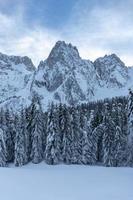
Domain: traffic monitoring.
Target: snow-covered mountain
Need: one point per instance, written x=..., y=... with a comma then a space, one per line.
x=16, y=75
x=112, y=71
x=63, y=77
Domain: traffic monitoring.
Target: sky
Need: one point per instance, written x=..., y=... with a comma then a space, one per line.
x=96, y=27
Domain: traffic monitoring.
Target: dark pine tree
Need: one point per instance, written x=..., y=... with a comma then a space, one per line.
x=37, y=128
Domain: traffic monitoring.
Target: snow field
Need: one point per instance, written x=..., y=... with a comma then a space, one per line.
x=66, y=182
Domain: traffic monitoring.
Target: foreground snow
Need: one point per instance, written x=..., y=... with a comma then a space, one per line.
x=62, y=182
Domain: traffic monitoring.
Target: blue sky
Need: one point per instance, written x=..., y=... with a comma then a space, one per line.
x=96, y=27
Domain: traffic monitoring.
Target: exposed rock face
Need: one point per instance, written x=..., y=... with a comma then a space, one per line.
x=63, y=77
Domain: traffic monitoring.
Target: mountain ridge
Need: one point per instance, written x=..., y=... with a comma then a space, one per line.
x=63, y=77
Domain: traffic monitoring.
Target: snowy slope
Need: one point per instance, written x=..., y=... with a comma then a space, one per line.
x=43, y=182
x=63, y=77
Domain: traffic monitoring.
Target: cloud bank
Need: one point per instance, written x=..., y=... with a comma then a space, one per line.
x=95, y=29
x=16, y=38
x=103, y=30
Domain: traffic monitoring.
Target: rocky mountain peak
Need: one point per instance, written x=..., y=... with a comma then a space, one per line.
x=8, y=61
x=23, y=60
x=109, y=61
x=62, y=52
x=111, y=70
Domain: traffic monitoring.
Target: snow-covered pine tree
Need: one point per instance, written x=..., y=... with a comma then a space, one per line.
x=29, y=111
x=1, y=116
x=8, y=126
x=61, y=123
x=130, y=116
x=65, y=132
x=92, y=120
x=37, y=153
x=75, y=137
x=58, y=130
x=122, y=118
x=114, y=113
x=67, y=139
x=95, y=118
x=45, y=121
x=82, y=116
x=19, y=158
x=26, y=135
x=108, y=138
x=119, y=147
x=97, y=138
x=88, y=153
x=52, y=151
x=122, y=141
x=130, y=127
x=3, y=150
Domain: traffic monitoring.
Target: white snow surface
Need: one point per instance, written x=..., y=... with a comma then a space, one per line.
x=66, y=182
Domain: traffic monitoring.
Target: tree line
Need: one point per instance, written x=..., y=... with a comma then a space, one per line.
x=95, y=133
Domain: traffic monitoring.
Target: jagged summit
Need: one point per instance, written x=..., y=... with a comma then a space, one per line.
x=110, y=60
x=16, y=60
x=62, y=52
x=112, y=71
x=61, y=46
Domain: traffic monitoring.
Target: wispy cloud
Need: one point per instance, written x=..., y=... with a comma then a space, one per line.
x=102, y=30
x=96, y=29
x=17, y=38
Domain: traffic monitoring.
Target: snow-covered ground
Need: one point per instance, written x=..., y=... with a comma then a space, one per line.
x=65, y=182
